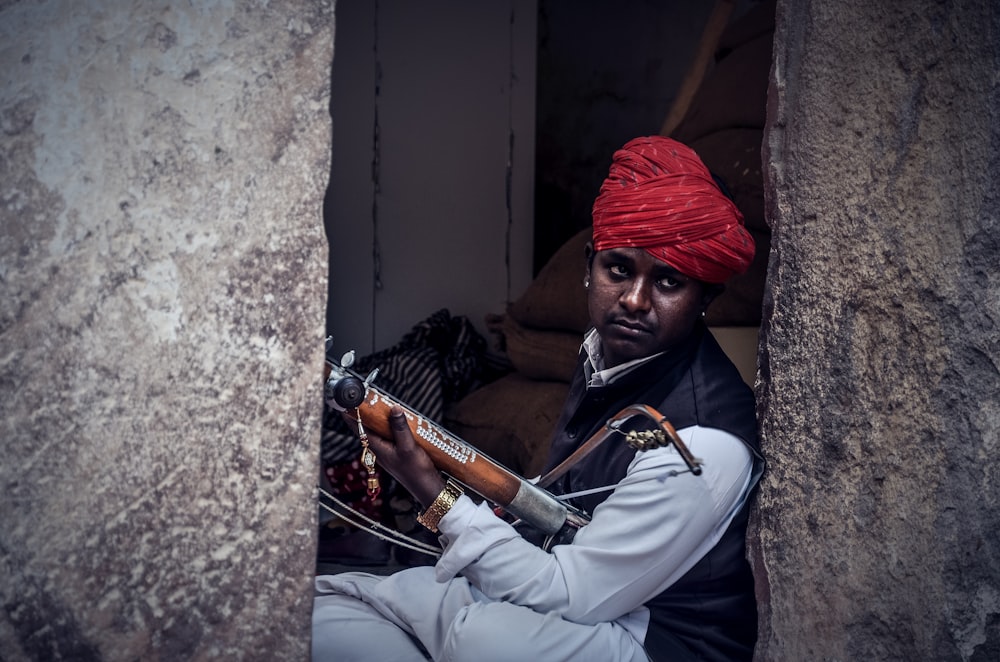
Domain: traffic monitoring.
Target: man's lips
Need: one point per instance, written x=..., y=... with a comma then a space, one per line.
x=629, y=327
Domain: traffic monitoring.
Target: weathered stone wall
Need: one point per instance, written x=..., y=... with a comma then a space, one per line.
x=877, y=536
x=162, y=289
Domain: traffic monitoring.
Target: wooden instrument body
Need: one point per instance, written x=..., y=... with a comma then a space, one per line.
x=360, y=400
x=449, y=453
x=455, y=457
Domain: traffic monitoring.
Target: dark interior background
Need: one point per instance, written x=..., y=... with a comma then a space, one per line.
x=605, y=75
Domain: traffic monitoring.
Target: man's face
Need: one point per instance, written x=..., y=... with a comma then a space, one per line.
x=640, y=305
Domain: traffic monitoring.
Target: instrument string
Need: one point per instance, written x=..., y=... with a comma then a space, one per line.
x=377, y=529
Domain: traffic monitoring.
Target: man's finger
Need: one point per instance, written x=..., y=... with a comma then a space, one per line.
x=401, y=433
x=397, y=419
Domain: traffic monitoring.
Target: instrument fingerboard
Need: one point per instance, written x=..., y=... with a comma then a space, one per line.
x=457, y=452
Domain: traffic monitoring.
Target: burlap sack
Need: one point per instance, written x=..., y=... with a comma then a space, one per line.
x=510, y=420
x=556, y=299
x=545, y=355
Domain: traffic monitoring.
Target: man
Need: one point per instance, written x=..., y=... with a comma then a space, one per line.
x=659, y=572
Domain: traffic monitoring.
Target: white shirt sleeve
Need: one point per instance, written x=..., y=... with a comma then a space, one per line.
x=650, y=531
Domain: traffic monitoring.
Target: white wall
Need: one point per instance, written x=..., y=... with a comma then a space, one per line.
x=457, y=79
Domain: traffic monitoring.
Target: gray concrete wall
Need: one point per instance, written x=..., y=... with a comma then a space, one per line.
x=879, y=386
x=163, y=272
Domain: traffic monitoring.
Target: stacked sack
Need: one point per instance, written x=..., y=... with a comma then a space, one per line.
x=512, y=418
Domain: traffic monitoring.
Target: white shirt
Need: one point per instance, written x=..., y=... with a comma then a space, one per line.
x=658, y=522
x=650, y=530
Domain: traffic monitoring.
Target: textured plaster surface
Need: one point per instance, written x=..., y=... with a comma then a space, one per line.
x=162, y=286
x=880, y=373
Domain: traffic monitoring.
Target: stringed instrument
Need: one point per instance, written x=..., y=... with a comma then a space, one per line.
x=362, y=401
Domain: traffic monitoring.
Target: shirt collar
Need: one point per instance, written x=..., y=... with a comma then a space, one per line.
x=595, y=372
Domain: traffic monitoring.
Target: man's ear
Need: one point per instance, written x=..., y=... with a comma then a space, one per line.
x=710, y=293
x=588, y=253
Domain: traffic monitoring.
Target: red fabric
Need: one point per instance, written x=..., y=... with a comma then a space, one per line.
x=660, y=197
x=349, y=483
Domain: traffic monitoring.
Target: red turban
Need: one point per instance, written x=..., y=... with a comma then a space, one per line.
x=659, y=196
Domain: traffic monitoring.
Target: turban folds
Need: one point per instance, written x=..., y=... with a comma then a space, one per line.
x=660, y=197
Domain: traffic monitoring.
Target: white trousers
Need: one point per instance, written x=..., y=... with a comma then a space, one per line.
x=362, y=617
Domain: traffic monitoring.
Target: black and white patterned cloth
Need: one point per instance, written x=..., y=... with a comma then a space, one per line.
x=438, y=362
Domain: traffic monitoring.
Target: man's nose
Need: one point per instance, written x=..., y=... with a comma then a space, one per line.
x=636, y=297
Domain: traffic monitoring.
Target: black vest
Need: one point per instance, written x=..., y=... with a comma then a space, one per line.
x=710, y=613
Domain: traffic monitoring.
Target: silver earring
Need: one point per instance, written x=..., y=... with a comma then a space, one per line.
x=586, y=281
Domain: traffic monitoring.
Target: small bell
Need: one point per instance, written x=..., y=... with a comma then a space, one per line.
x=368, y=459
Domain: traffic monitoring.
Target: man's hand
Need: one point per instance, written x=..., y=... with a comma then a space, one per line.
x=404, y=459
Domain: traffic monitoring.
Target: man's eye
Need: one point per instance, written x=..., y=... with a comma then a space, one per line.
x=668, y=282
x=618, y=270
